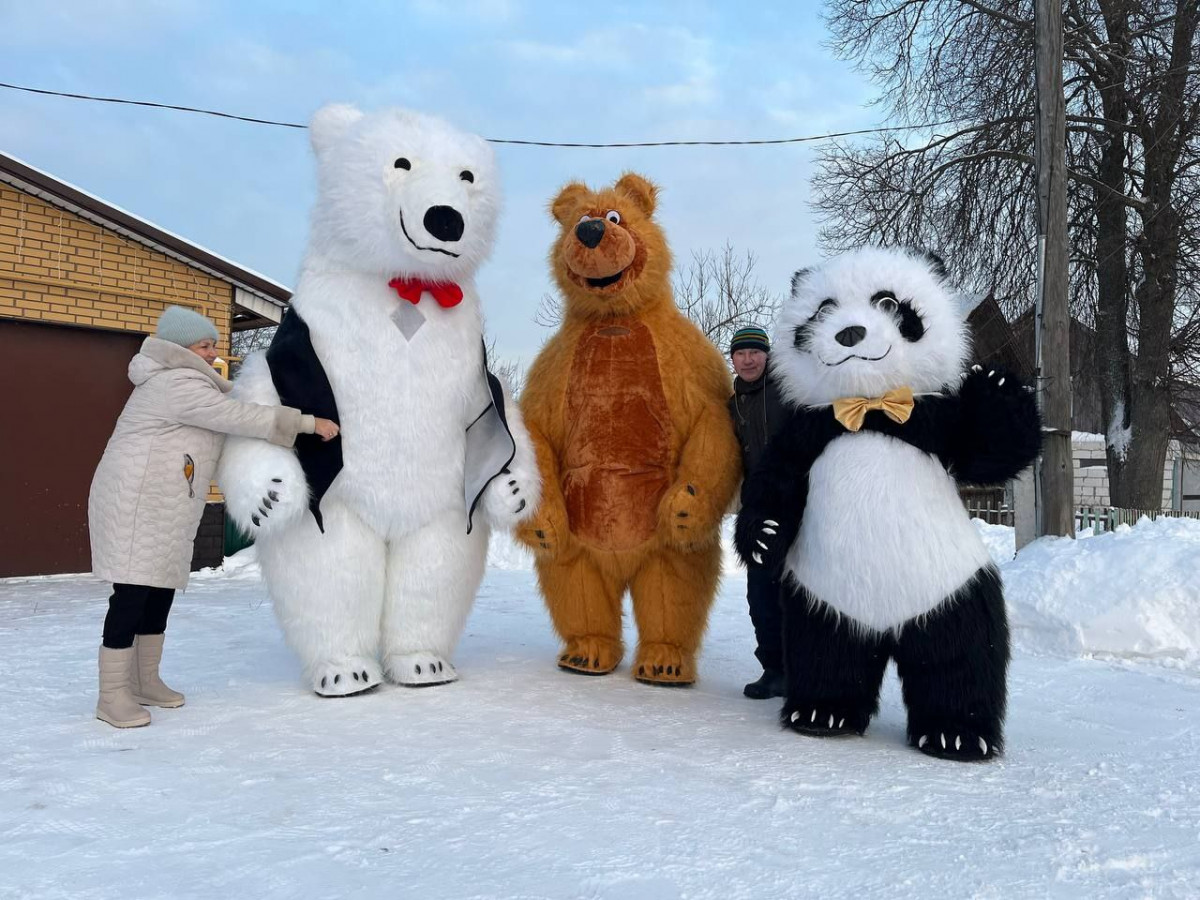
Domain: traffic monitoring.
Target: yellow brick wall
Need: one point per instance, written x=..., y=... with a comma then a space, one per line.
x=58, y=267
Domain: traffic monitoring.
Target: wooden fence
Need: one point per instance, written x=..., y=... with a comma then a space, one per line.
x=1106, y=518
x=988, y=504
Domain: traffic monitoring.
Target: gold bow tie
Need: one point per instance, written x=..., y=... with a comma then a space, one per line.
x=896, y=404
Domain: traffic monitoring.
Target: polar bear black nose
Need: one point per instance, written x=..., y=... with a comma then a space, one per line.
x=590, y=232
x=444, y=222
x=848, y=337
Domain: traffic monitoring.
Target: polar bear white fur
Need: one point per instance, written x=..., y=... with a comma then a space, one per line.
x=386, y=589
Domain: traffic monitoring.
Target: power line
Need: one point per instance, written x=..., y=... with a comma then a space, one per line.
x=524, y=143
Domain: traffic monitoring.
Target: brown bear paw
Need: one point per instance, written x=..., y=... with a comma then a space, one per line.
x=590, y=655
x=664, y=664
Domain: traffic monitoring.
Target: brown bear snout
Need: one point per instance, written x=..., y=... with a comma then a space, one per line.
x=590, y=232
x=599, y=250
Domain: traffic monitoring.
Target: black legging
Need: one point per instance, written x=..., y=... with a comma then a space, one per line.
x=135, y=609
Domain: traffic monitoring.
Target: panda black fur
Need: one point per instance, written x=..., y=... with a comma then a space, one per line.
x=880, y=559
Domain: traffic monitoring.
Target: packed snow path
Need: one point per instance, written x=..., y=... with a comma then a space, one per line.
x=521, y=781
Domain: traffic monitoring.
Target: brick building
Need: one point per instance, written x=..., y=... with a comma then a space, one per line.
x=82, y=282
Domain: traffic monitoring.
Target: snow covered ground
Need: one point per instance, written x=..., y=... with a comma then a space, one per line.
x=521, y=781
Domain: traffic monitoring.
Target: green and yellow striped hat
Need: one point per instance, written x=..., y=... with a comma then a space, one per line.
x=750, y=338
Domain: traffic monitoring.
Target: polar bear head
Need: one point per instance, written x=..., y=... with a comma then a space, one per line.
x=866, y=322
x=402, y=194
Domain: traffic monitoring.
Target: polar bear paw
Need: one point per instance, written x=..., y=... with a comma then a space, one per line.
x=421, y=669
x=264, y=486
x=512, y=497
x=346, y=677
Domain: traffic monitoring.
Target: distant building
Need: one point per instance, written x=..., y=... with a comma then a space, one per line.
x=1012, y=345
x=82, y=282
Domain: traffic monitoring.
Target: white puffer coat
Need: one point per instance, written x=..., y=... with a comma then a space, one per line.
x=149, y=490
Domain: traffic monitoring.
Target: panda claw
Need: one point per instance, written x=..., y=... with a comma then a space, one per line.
x=795, y=715
x=958, y=742
x=814, y=717
x=771, y=522
x=943, y=741
x=983, y=746
x=841, y=722
x=757, y=558
x=761, y=544
x=831, y=720
x=769, y=531
x=921, y=743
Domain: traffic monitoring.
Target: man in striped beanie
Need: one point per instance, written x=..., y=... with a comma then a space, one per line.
x=757, y=412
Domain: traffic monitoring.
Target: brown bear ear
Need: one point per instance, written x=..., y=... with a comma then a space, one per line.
x=640, y=191
x=566, y=201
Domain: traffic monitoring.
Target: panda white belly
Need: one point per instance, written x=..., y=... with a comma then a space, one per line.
x=884, y=537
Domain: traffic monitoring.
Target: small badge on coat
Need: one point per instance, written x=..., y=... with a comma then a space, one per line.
x=189, y=472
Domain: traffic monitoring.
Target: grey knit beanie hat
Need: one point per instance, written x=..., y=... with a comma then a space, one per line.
x=184, y=327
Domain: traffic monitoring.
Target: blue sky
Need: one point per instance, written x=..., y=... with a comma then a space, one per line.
x=503, y=68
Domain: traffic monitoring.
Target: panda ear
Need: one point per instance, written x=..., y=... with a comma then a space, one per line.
x=799, y=279
x=329, y=123
x=937, y=264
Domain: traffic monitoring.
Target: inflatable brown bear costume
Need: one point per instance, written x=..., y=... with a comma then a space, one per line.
x=626, y=407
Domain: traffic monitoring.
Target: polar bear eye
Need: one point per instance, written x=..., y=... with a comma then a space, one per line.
x=466, y=176
x=402, y=163
x=613, y=216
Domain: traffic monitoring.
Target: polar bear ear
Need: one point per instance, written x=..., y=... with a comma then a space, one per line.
x=563, y=205
x=329, y=123
x=640, y=191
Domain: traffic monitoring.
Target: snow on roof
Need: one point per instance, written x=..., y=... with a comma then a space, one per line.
x=65, y=195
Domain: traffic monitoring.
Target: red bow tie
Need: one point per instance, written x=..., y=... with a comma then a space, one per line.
x=447, y=294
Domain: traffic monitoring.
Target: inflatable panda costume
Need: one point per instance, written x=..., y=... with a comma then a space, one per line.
x=855, y=502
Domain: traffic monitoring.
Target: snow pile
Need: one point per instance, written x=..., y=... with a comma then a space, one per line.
x=1132, y=592
x=1000, y=540
x=506, y=554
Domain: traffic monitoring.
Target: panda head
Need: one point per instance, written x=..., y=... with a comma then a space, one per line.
x=866, y=322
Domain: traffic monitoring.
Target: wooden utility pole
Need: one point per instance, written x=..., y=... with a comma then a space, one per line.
x=1056, y=475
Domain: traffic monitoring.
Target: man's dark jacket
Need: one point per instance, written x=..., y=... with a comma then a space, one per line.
x=757, y=412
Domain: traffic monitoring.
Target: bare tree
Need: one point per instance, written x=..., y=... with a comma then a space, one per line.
x=720, y=293
x=510, y=371
x=966, y=188
x=243, y=343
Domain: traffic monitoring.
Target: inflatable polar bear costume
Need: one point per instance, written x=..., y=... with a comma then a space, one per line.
x=370, y=555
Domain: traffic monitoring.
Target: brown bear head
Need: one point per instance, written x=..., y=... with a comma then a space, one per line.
x=611, y=257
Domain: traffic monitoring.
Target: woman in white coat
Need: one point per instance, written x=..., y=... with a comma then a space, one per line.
x=148, y=496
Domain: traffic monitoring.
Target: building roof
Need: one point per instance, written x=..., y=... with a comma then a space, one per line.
x=267, y=298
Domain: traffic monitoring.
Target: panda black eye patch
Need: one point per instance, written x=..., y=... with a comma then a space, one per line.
x=827, y=303
x=912, y=326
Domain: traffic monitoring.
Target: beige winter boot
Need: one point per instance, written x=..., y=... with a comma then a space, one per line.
x=148, y=688
x=116, y=705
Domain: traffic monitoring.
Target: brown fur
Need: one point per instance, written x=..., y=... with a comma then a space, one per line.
x=626, y=407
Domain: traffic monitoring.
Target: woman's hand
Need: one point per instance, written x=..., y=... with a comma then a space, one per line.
x=326, y=428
